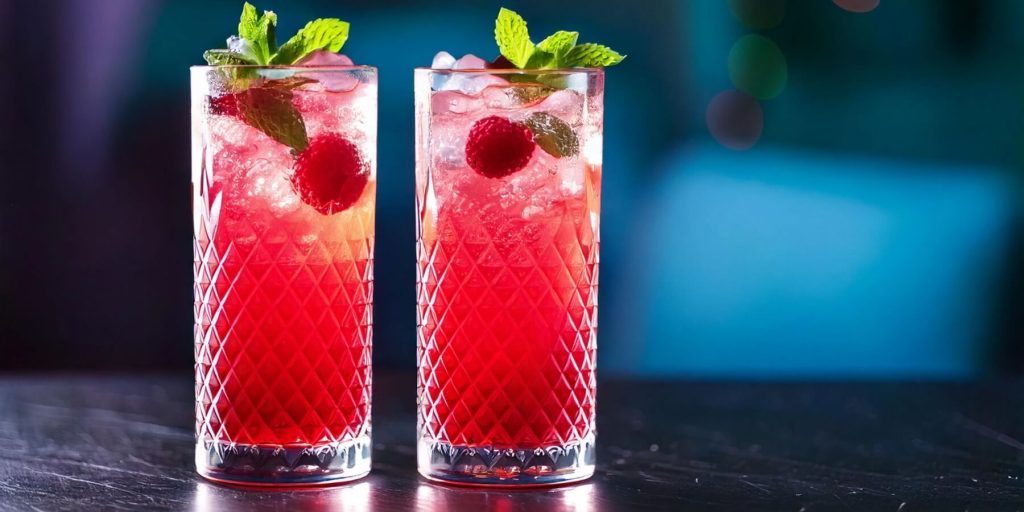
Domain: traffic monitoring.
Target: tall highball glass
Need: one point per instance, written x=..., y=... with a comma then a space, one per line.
x=283, y=189
x=508, y=192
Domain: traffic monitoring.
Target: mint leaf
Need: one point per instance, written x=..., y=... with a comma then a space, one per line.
x=224, y=58
x=559, y=50
x=271, y=111
x=269, y=26
x=256, y=42
x=559, y=42
x=553, y=135
x=234, y=78
x=540, y=60
x=248, y=23
x=259, y=30
x=590, y=55
x=513, y=38
x=526, y=89
x=320, y=34
x=261, y=102
x=325, y=34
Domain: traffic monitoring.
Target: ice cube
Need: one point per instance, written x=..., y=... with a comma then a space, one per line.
x=472, y=83
x=468, y=83
x=454, y=102
x=241, y=46
x=450, y=154
x=282, y=197
x=531, y=211
x=443, y=60
x=266, y=183
x=573, y=179
x=470, y=61
x=335, y=80
x=324, y=58
x=534, y=185
x=516, y=95
x=564, y=104
x=501, y=97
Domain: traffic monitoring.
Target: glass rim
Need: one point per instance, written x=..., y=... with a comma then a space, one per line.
x=511, y=71
x=284, y=67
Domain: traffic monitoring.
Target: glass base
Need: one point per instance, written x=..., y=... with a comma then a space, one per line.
x=283, y=466
x=540, y=466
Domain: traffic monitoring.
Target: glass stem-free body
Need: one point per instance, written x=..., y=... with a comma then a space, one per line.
x=283, y=282
x=508, y=274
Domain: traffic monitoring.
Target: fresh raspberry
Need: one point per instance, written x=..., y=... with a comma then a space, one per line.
x=497, y=147
x=330, y=174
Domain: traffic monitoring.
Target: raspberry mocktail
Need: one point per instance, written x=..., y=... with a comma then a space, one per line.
x=283, y=189
x=508, y=194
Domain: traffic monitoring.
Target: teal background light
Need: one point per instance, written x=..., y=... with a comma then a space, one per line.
x=757, y=67
x=853, y=210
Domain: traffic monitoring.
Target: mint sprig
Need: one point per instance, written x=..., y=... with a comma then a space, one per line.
x=271, y=111
x=559, y=42
x=256, y=41
x=267, y=104
x=223, y=58
x=513, y=38
x=553, y=135
x=259, y=31
x=559, y=50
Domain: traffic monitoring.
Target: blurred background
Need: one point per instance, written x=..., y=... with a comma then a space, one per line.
x=801, y=188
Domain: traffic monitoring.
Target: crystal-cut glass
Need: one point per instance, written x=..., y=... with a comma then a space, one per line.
x=507, y=282
x=283, y=290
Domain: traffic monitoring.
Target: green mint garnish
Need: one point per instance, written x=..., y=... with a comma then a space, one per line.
x=558, y=44
x=513, y=38
x=530, y=92
x=591, y=55
x=320, y=34
x=223, y=58
x=258, y=30
x=553, y=135
x=267, y=104
x=559, y=50
x=256, y=42
x=271, y=111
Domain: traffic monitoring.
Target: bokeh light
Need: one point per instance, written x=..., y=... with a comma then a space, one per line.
x=735, y=119
x=758, y=14
x=857, y=5
x=757, y=66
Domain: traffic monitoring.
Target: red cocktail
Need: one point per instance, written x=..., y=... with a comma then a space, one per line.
x=508, y=193
x=283, y=202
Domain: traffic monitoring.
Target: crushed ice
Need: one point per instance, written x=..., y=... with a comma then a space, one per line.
x=466, y=83
x=334, y=81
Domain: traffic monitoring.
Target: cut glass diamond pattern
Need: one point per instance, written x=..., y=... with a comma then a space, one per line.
x=508, y=324
x=282, y=332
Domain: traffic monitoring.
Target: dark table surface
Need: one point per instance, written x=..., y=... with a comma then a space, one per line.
x=125, y=443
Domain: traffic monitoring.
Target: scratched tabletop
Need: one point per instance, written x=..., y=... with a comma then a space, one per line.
x=125, y=443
